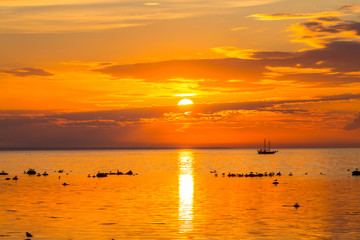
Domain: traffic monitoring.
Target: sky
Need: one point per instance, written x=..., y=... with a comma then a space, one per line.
x=110, y=73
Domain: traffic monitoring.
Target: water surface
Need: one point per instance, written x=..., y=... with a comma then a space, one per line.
x=174, y=195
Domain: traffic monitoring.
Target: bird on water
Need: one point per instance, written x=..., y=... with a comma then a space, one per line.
x=28, y=234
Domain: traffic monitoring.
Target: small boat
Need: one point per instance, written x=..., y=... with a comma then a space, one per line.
x=31, y=171
x=3, y=173
x=266, y=150
x=356, y=173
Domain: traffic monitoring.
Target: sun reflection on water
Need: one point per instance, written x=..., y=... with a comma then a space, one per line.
x=186, y=191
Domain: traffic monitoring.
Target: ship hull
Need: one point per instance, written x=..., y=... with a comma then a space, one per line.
x=269, y=152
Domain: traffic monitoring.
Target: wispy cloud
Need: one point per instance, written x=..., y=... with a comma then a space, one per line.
x=322, y=28
x=317, y=33
x=238, y=28
x=350, y=8
x=234, y=52
x=298, y=70
x=334, y=63
x=24, y=72
x=355, y=124
x=283, y=16
x=128, y=127
x=89, y=15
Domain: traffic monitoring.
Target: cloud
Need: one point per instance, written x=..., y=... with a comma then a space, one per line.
x=322, y=28
x=283, y=16
x=353, y=125
x=349, y=7
x=135, y=127
x=268, y=105
x=345, y=26
x=273, y=55
x=317, y=33
x=24, y=72
x=328, y=19
x=137, y=115
x=98, y=123
x=151, y=4
x=222, y=69
x=298, y=70
x=238, y=28
x=92, y=15
x=341, y=56
x=339, y=97
x=335, y=63
x=234, y=52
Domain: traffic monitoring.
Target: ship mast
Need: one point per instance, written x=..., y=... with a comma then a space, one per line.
x=269, y=145
x=264, y=144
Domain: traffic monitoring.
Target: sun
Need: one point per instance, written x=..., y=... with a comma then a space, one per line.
x=185, y=102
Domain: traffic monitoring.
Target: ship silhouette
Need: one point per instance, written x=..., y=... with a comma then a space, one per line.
x=266, y=150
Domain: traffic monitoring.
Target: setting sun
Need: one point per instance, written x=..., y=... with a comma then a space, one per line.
x=185, y=102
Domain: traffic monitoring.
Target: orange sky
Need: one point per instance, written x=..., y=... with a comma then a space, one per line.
x=91, y=73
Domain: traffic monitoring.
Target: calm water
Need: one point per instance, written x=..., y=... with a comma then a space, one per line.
x=174, y=195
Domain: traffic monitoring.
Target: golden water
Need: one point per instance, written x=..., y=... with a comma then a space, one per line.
x=174, y=195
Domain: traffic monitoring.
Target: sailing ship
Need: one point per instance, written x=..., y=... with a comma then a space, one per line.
x=266, y=150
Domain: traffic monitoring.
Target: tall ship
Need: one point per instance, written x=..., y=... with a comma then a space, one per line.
x=266, y=150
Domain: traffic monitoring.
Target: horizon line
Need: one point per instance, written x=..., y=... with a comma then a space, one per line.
x=146, y=148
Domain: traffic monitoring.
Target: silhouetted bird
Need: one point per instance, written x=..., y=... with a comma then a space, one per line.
x=15, y=178
x=275, y=182
x=290, y=174
x=65, y=184
x=296, y=205
x=28, y=234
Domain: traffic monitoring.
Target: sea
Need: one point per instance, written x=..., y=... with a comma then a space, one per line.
x=175, y=194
